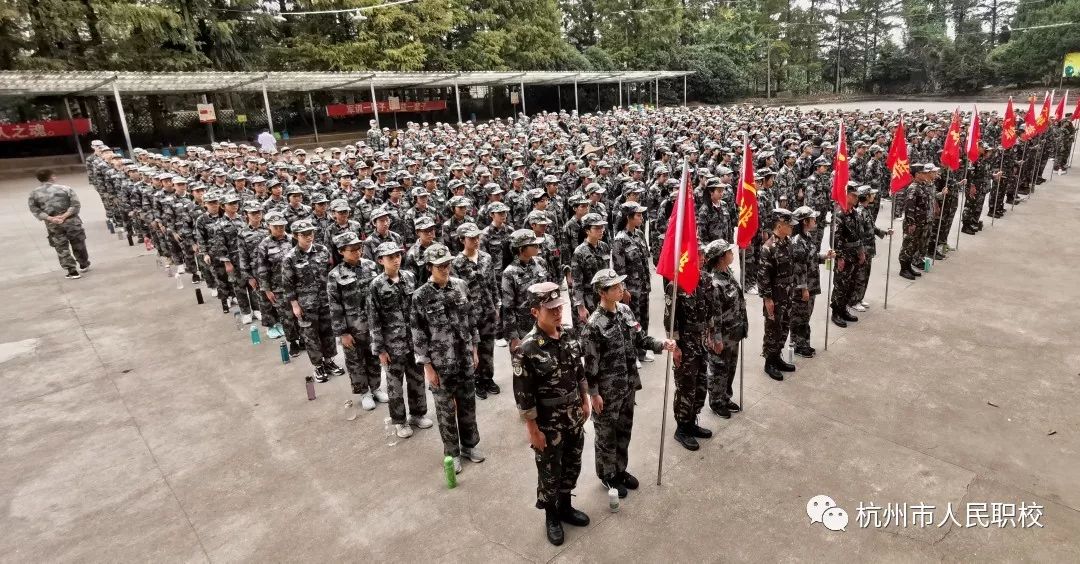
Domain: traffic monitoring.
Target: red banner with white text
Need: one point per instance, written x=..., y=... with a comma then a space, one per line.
x=39, y=129
x=345, y=110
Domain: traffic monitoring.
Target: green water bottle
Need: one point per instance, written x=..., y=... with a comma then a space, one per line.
x=448, y=468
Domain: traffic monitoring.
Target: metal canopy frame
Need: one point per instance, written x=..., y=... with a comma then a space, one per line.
x=32, y=83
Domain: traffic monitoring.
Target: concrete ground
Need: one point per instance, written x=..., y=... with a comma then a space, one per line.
x=139, y=426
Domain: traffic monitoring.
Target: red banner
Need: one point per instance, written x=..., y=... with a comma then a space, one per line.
x=39, y=129
x=344, y=110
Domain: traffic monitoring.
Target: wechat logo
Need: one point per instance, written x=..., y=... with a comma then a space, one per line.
x=822, y=509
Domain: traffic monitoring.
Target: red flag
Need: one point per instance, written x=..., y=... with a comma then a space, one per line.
x=1059, y=112
x=840, y=171
x=1042, y=122
x=1076, y=111
x=950, y=155
x=1008, y=127
x=897, y=161
x=974, y=132
x=679, y=256
x=747, y=199
x=1029, y=120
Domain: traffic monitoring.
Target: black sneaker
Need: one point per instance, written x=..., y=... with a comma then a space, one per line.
x=84, y=268
x=493, y=388
x=294, y=349
x=73, y=274
x=805, y=352
x=321, y=374
x=615, y=483
x=686, y=439
x=481, y=390
x=733, y=407
x=332, y=368
x=721, y=410
x=629, y=480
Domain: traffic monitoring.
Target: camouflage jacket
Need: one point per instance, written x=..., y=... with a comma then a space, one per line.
x=496, y=242
x=610, y=342
x=249, y=240
x=225, y=245
x=630, y=256
x=729, y=307
x=388, y=304
x=516, y=279
x=480, y=278
x=919, y=206
x=374, y=240
x=347, y=287
x=807, y=261
x=269, y=260
x=549, y=381
x=50, y=200
x=776, y=270
x=443, y=325
x=587, y=260
x=303, y=276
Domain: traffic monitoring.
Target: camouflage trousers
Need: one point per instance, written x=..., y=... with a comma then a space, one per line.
x=691, y=379
x=206, y=271
x=284, y=316
x=240, y=290
x=861, y=279
x=455, y=406
x=800, y=320
x=180, y=252
x=404, y=376
x=69, y=239
x=258, y=300
x=952, y=202
x=485, y=350
x=898, y=200
x=639, y=304
x=722, y=373
x=776, y=329
x=613, y=427
x=365, y=373
x=317, y=333
x=559, y=464
x=973, y=208
x=844, y=281
x=997, y=195
x=911, y=250
x=752, y=255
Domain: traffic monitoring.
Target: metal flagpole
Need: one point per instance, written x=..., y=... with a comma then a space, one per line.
x=997, y=186
x=1035, y=172
x=941, y=216
x=742, y=347
x=888, y=257
x=1019, y=175
x=680, y=211
x=963, y=197
x=828, y=296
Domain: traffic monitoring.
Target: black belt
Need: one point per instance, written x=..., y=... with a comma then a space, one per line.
x=562, y=400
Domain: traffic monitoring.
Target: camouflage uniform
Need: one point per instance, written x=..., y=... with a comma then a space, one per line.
x=848, y=243
x=479, y=275
x=347, y=287
x=730, y=326
x=588, y=259
x=693, y=313
x=516, y=279
x=269, y=260
x=776, y=280
x=443, y=325
x=225, y=247
x=918, y=213
x=50, y=200
x=630, y=256
x=610, y=342
x=981, y=177
x=206, y=227
x=807, y=262
x=248, y=240
x=303, y=276
x=375, y=239
x=388, y=305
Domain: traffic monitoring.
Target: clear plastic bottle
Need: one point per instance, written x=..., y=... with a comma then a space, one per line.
x=613, y=500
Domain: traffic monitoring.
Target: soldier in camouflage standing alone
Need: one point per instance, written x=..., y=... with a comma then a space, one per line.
x=58, y=207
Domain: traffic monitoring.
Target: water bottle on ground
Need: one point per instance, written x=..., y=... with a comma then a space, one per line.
x=284, y=350
x=451, y=475
x=309, y=383
x=613, y=500
x=255, y=337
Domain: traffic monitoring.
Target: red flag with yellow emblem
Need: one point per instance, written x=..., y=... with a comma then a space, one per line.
x=1008, y=127
x=950, y=154
x=747, y=199
x=897, y=161
x=841, y=173
x=1029, y=120
x=1042, y=122
x=679, y=260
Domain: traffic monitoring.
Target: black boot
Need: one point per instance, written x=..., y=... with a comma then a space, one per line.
x=686, y=438
x=837, y=319
x=968, y=230
x=698, y=431
x=847, y=315
x=772, y=370
x=294, y=349
x=554, y=525
x=916, y=267
x=569, y=515
x=614, y=482
x=481, y=390
x=906, y=272
x=805, y=352
x=721, y=410
x=629, y=480
x=782, y=365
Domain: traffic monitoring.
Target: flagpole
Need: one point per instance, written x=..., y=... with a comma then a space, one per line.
x=941, y=216
x=828, y=297
x=997, y=186
x=963, y=197
x=1019, y=175
x=888, y=258
x=742, y=346
x=680, y=208
x=1035, y=170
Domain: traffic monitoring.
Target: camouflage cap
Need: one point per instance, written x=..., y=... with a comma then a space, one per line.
x=276, y=218
x=420, y=192
x=716, y=248
x=379, y=212
x=546, y=295
x=537, y=194
x=388, y=248
x=459, y=202
x=781, y=214
x=498, y=207
x=251, y=206
x=721, y=170
x=524, y=237
x=821, y=161
x=537, y=217
x=340, y=204
x=230, y=198
x=593, y=219
x=468, y=229
x=632, y=207
x=346, y=238
x=294, y=189
x=212, y=196
x=804, y=212
x=423, y=223
x=256, y=179
x=576, y=200
x=606, y=278
x=319, y=198
x=303, y=226
x=437, y=254
x=594, y=188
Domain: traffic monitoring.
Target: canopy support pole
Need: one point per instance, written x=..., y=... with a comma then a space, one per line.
x=457, y=101
x=74, y=131
x=123, y=118
x=266, y=103
x=375, y=106
x=575, y=98
x=314, y=126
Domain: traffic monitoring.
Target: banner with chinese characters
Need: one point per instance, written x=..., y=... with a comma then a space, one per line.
x=40, y=129
x=344, y=110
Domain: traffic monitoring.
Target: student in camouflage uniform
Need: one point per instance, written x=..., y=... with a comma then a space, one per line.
x=693, y=318
x=248, y=243
x=981, y=178
x=58, y=207
x=388, y=303
x=729, y=325
x=269, y=259
x=551, y=393
x=818, y=193
x=777, y=284
x=380, y=217
x=868, y=234
x=526, y=269
x=590, y=257
x=225, y=248
x=347, y=288
x=807, y=263
x=848, y=240
x=918, y=215
x=610, y=341
x=445, y=338
x=303, y=274
x=630, y=255
x=415, y=261
x=476, y=268
x=205, y=231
